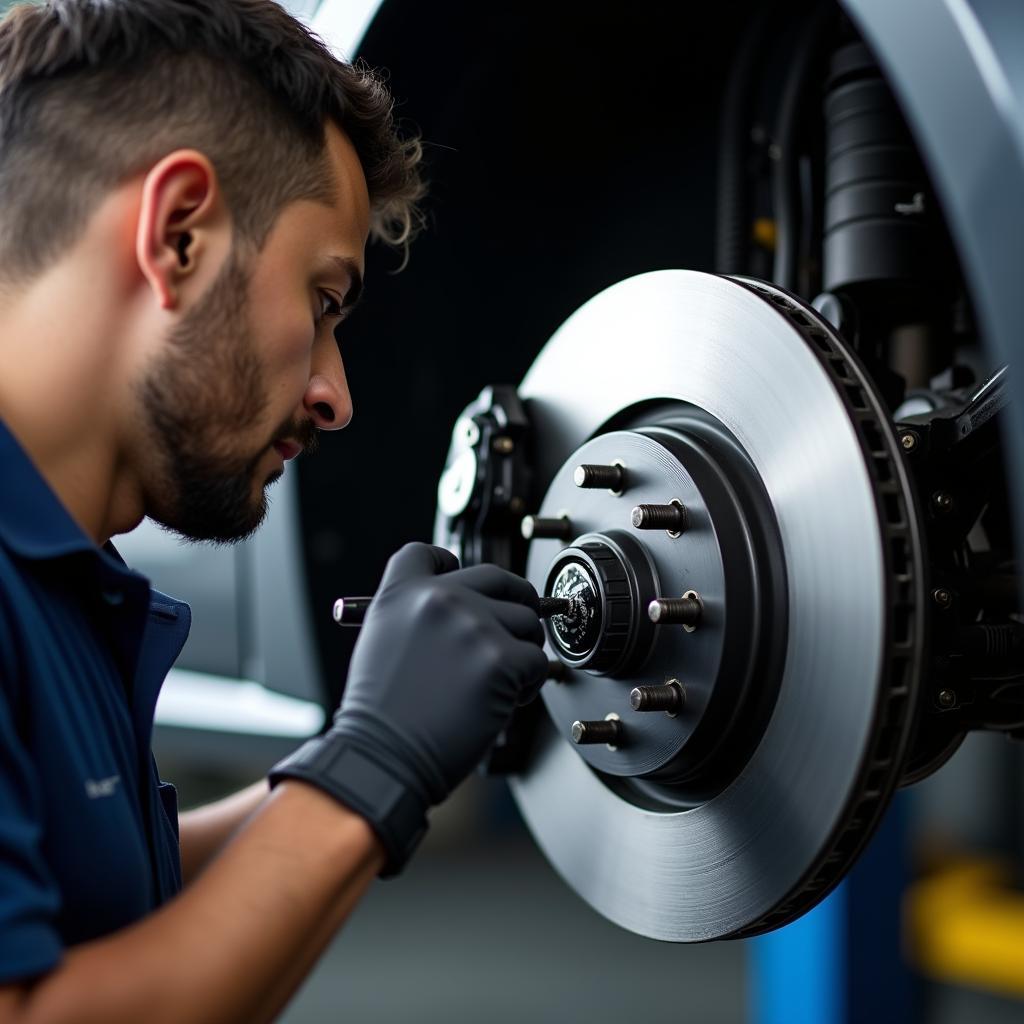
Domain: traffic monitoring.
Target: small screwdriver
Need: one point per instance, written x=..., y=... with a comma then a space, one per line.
x=350, y=611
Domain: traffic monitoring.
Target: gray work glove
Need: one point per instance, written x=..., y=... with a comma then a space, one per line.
x=443, y=658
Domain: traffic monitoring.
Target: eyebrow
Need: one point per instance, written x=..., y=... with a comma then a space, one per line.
x=355, y=288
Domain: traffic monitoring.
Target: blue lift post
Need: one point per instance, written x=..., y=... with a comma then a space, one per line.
x=844, y=962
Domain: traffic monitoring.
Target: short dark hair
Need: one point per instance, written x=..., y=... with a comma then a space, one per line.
x=95, y=91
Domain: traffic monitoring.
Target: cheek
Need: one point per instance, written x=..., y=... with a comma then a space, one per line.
x=287, y=352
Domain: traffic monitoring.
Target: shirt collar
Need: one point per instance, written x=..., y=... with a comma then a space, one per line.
x=34, y=524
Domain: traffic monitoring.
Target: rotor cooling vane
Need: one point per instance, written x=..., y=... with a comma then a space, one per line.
x=727, y=505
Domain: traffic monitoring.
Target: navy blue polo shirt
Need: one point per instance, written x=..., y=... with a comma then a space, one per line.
x=88, y=833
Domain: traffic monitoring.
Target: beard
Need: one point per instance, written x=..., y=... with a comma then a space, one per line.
x=205, y=391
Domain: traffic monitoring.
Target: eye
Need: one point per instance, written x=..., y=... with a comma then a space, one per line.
x=329, y=307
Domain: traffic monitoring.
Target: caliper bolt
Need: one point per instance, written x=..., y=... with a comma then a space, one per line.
x=947, y=698
x=942, y=596
x=503, y=445
x=668, y=697
x=909, y=441
x=672, y=517
x=942, y=500
x=682, y=611
x=612, y=478
x=539, y=528
x=608, y=731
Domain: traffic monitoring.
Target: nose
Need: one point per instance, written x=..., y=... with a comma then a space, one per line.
x=327, y=400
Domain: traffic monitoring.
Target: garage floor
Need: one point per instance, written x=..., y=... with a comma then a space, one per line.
x=489, y=933
x=480, y=930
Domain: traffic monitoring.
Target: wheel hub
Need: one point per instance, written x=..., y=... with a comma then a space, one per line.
x=620, y=562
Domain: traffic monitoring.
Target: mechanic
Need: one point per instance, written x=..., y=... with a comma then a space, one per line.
x=187, y=188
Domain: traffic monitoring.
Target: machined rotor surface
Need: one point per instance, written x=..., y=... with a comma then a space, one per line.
x=770, y=843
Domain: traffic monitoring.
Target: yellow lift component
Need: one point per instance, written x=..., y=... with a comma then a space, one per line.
x=966, y=925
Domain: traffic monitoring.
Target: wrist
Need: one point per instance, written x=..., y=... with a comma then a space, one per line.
x=336, y=828
x=357, y=777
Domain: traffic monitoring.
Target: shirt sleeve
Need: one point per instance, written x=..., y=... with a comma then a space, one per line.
x=29, y=898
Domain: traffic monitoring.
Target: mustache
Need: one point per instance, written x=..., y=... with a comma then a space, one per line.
x=304, y=433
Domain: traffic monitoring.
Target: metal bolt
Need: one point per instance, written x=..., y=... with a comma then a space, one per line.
x=503, y=445
x=469, y=432
x=612, y=478
x=910, y=441
x=668, y=697
x=539, y=528
x=608, y=731
x=673, y=517
x=942, y=597
x=942, y=500
x=947, y=698
x=550, y=606
x=682, y=611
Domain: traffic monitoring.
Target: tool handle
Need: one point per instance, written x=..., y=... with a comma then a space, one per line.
x=350, y=611
x=550, y=606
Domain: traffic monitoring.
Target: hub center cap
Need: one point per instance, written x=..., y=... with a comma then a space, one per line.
x=576, y=633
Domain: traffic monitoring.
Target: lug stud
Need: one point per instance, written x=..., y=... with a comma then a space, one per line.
x=539, y=528
x=685, y=611
x=673, y=517
x=668, y=697
x=607, y=731
x=612, y=478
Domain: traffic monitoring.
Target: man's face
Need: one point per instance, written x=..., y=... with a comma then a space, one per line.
x=252, y=372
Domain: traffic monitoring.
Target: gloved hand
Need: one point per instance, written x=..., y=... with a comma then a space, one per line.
x=443, y=657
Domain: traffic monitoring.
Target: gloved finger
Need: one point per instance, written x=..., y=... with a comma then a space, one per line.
x=535, y=674
x=416, y=560
x=501, y=584
x=521, y=622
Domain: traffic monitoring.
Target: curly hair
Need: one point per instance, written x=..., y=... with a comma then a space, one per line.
x=93, y=92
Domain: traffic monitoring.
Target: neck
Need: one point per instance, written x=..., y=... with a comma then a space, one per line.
x=62, y=393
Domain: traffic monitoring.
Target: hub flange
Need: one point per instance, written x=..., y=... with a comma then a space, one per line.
x=616, y=570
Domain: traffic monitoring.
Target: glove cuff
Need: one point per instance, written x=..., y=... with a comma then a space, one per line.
x=339, y=767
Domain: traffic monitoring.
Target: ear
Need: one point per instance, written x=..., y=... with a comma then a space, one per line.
x=181, y=208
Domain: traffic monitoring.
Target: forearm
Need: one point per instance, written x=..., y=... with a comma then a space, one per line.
x=237, y=942
x=204, y=831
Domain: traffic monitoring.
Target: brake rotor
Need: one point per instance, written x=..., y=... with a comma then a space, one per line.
x=743, y=804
